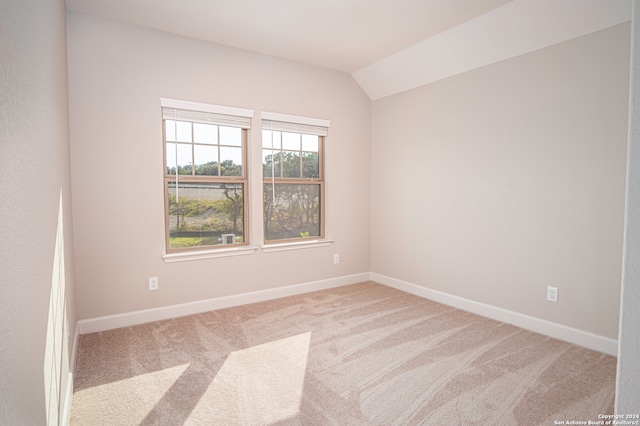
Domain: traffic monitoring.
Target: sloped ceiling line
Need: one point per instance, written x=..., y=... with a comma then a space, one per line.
x=518, y=27
x=388, y=46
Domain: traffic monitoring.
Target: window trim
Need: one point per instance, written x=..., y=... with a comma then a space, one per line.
x=210, y=108
x=230, y=117
x=301, y=243
x=295, y=123
x=185, y=256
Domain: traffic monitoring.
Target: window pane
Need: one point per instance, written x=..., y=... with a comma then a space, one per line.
x=291, y=211
x=269, y=137
x=170, y=154
x=230, y=136
x=185, y=159
x=170, y=130
x=310, y=143
x=205, y=133
x=290, y=164
x=291, y=141
x=206, y=159
x=205, y=214
x=184, y=131
x=310, y=165
x=230, y=161
x=269, y=159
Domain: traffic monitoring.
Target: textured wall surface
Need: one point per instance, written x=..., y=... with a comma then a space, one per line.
x=34, y=172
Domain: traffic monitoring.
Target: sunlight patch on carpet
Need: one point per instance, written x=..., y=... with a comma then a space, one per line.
x=126, y=401
x=259, y=385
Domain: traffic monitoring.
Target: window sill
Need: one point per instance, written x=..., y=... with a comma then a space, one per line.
x=208, y=254
x=270, y=248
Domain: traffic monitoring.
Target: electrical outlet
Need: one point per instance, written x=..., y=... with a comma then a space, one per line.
x=336, y=258
x=153, y=283
x=552, y=294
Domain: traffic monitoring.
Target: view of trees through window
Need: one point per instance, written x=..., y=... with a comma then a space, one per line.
x=203, y=214
x=291, y=211
x=292, y=190
x=204, y=181
x=205, y=176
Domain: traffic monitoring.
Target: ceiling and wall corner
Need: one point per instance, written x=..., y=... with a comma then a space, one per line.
x=342, y=35
x=517, y=28
x=387, y=46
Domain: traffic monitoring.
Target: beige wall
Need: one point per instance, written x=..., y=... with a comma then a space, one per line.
x=117, y=74
x=628, y=383
x=494, y=184
x=34, y=170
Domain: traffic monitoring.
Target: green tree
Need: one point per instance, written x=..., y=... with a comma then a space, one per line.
x=233, y=204
x=229, y=168
x=291, y=209
x=207, y=169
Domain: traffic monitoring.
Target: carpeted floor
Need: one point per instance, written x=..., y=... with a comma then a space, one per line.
x=363, y=354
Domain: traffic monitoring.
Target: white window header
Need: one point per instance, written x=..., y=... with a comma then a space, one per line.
x=294, y=123
x=197, y=106
x=173, y=109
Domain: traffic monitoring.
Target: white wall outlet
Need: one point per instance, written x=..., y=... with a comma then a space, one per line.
x=336, y=258
x=552, y=294
x=153, y=283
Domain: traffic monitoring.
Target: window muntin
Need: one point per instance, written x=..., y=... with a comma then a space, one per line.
x=205, y=183
x=203, y=149
x=293, y=187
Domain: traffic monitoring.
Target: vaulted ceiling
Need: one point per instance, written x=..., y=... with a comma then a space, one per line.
x=387, y=45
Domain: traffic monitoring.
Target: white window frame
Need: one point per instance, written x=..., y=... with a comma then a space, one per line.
x=224, y=116
x=304, y=125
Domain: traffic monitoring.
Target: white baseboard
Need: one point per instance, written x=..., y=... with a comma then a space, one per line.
x=548, y=328
x=111, y=322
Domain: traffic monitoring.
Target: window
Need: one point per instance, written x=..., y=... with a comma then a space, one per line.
x=205, y=178
x=293, y=177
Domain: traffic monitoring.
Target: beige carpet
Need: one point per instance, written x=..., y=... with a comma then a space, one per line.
x=363, y=354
